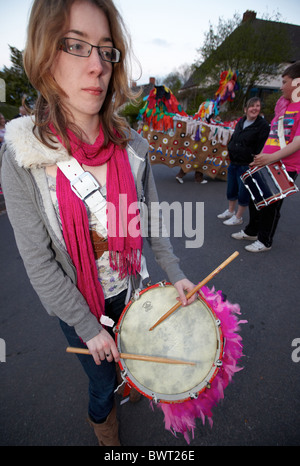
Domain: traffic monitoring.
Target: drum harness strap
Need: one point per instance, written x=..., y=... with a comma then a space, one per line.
x=86, y=187
x=282, y=140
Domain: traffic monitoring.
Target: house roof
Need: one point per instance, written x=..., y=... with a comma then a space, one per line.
x=292, y=31
x=145, y=88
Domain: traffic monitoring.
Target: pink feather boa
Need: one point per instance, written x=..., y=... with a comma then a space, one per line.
x=181, y=417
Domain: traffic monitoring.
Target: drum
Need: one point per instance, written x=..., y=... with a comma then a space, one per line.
x=191, y=334
x=268, y=184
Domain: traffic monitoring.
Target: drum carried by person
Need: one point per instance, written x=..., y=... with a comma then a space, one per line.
x=197, y=348
x=182, y=361
x=268, y=184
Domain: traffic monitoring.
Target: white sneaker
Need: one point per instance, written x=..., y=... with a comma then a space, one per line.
x=180, y=180
x=242, y=235
x=234, y=221
x=257, y=247
x=225, y=214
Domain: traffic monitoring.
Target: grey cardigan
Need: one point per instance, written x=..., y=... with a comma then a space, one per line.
x=38, y=235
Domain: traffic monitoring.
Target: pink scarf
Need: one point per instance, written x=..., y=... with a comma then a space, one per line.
x=125, y=249
x=281, y=106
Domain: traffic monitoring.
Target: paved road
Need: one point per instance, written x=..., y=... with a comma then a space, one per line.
x=43, y=391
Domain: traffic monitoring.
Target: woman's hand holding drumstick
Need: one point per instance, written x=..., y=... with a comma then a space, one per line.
x=173, y=309
x=197, y=288
x=102, y=347
x=136, y=357
x=183, y=287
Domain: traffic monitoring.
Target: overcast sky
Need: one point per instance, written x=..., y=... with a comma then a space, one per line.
x=165, y=33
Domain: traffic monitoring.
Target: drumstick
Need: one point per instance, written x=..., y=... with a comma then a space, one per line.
x=197, y=288
x=136, y=357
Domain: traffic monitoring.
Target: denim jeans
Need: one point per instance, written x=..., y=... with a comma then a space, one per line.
x=102, y=379
x=236, y=190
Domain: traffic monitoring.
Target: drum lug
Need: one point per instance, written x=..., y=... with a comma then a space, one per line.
x=155, y=399
x=162, y=283
x=136, y=295
x=219, y=363
x=224, y=345
x=193, y=396
x=218, y=322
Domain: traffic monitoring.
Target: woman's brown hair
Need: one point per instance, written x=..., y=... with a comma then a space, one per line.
x=47, y=24
x=252, y=101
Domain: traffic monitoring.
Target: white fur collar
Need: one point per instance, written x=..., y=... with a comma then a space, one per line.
x=29, y=151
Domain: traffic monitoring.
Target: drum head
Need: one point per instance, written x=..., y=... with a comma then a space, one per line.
x=191, y=334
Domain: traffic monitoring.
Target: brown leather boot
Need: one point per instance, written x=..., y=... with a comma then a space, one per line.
x=107, y=432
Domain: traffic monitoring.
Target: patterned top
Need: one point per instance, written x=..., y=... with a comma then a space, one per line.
x=111, y=284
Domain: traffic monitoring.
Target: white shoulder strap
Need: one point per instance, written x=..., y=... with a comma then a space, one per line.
x=87, y=189
x=282, y=140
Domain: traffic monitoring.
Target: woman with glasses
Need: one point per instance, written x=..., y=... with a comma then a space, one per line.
x=70, y=174
x=249, y=136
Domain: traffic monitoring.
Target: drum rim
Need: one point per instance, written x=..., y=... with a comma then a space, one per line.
x=192, y=393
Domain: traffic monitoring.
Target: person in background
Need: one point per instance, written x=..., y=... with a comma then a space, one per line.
x=199, y=178
x=248, y=139
x=263, y=223
x=22, y=112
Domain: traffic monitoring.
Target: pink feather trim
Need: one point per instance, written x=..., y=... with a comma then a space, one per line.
x=181, y=417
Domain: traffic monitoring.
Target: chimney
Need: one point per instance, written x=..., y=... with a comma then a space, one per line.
x=249, y=16
x=152, y=81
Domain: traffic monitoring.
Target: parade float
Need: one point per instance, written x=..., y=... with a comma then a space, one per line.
x=192, y=143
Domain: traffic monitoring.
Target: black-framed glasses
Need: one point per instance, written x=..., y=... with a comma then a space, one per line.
x=81, y=48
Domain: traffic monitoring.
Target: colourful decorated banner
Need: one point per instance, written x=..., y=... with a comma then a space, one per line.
x=161, y=106
x=196, y=143
x=191, y=145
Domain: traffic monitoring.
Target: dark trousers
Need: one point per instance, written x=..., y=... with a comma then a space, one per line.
x=263, y=223
x=102, y=379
